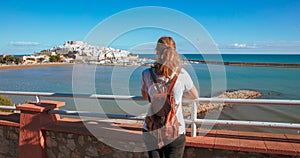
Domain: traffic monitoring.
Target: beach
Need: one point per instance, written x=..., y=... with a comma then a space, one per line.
x=17, y=67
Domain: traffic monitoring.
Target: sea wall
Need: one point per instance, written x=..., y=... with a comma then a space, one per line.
x=76, y=143
x=9, y=141
x=64, y=145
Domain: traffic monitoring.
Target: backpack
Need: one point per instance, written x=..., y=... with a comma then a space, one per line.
x=161, y=120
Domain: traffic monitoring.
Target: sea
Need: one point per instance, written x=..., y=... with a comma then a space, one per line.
x=209, y=79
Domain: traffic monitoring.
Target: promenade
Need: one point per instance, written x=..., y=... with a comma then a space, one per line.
x=26, y=135
x=38, y=131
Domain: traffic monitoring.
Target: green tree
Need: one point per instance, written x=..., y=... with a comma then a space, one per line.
x=41, y=59
x=32, y=59
x=9, y=59
x=18, y=60
x=54, y=58
x=1, y=60
x=6, y=102
x=44, y=51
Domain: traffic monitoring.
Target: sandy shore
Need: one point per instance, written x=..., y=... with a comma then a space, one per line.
x=16, y=67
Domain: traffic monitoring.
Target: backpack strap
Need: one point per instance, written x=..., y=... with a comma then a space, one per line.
x=154, y=80
x=173, y=81
x=152, y=75
x=171, y=85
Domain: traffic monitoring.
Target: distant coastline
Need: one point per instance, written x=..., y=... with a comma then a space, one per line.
x=254, y=64
x=258, y=64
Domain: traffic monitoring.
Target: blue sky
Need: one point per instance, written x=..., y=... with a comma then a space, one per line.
x=237, y=26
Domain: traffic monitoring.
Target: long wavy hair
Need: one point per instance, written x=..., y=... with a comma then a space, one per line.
x=168, y=61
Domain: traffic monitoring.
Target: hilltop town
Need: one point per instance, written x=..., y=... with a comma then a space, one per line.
x=82, y=52
x=77, y=52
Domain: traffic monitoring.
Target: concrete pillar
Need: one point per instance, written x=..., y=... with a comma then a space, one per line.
x=32, y=119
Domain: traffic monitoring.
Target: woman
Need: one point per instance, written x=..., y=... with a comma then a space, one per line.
x=167, y=65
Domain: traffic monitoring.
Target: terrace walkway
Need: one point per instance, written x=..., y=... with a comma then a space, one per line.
x=267, y=144
x=40, y=132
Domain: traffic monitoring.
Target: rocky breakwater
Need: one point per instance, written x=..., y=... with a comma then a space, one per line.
x=236, y=94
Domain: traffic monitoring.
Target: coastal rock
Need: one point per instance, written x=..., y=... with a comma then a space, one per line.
x=237, y=94
x=240, y=94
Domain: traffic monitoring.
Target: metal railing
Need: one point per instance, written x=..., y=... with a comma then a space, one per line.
x=3, y=107
x=194, y=121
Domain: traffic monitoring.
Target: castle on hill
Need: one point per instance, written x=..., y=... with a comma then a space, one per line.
x=81, y=51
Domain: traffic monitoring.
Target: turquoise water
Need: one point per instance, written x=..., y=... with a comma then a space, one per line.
x=280, y=58
x=274, y=83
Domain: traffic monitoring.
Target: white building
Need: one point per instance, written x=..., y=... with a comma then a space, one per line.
x=90, y=52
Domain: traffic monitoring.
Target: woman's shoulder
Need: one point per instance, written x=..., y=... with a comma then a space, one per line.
x=183, y=75
x=183, y=72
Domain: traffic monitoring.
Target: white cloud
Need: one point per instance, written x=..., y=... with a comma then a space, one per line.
x=280, y=44
x=242, y=46
x=24, y=43
x=22, y=47
x=237, y=45
x=265, y=47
